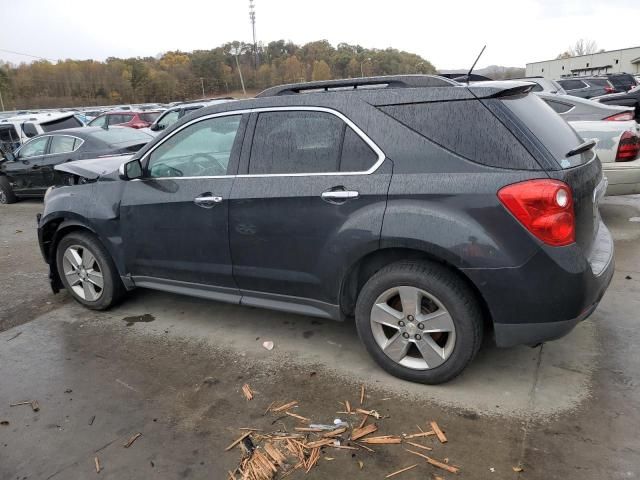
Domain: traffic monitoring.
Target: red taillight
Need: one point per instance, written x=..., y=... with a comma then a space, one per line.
x=544, y=207
x=620, y=117
x=609, y=89
x=138, y=125
x=628, y=148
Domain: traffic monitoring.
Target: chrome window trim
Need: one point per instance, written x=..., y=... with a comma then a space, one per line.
x=381, y=156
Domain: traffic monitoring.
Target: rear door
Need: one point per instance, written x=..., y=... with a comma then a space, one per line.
x=175, y=219
x=61, y=149
x=309, y=199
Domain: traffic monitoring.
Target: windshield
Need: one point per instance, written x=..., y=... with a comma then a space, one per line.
x=120, y=135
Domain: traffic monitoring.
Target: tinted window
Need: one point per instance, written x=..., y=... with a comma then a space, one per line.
x=117, y=135
x=296, y=142
x=100, y=121
x=34, y=148
x=559, y=106
x=69, y=122
x=199, y=150
x=62, y=144
x=466, y=128
x=537, y=88
x=117, y=119
x=597, y=82
x=357, y=156
x=149, y=117
x=556, y=134
x=572, y=84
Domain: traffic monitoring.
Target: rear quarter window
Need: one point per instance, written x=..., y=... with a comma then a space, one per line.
x=467, y=128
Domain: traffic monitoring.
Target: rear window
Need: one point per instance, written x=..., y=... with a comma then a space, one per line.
x=120, y=135
x=572, y=84
x=467, y=128
x=69, y=122
x=149, y=117
x=622, y=81
x=551, y=129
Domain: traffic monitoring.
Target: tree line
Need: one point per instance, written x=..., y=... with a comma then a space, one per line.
x=178, y=75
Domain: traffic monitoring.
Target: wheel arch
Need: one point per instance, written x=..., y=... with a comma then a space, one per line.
x=367, y=265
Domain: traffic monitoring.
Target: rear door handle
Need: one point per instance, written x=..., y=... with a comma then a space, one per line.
x=339, y=195
x=207, y=200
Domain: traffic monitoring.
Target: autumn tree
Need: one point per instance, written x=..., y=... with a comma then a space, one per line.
x=321, y=71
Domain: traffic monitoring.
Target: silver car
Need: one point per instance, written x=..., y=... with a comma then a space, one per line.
x=574, y=109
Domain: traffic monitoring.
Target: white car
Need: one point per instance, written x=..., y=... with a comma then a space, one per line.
x=618, y=147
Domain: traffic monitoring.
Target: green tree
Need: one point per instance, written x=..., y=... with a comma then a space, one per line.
x=321, y=71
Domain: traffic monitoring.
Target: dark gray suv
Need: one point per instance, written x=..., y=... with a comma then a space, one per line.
x=432, y=212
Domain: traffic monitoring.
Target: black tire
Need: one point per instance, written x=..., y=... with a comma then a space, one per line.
x=451, y=291
x=6, y=192
x=112, y=290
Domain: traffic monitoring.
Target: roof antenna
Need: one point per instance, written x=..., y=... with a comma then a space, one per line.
x=474, y=64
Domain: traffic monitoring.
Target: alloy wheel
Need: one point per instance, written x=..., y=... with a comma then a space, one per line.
x=83, y=272
x=413, y=328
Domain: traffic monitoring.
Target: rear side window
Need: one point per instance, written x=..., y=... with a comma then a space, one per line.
x=69, y=122
x=572, y=84
x=467, y=128
x=63, y=144
x=357, y=155
x=552, y=131
x=296, y=142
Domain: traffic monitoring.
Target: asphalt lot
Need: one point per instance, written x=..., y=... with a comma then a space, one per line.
x=568, y=409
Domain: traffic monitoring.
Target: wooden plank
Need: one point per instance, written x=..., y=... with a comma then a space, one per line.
x=237, y=441
x=430, y=433
x=385, y=439
x=436, y=463
x=132, y=439
x=398, y=472
x=97, y=462
x=371, y=413
x=441, y=436
x=357, y=433
x=284, y=407
x=424, y=447
x=299, y=417
x=362, y=395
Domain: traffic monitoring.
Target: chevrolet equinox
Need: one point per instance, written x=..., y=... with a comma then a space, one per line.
x=431, y=211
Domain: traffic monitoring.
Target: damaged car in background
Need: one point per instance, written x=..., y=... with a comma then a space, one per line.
x=29, y=171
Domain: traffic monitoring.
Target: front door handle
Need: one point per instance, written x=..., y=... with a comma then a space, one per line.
x=207, y=200
x=339, y=196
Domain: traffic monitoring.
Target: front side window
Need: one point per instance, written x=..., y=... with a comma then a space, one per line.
x=169, y=119
x=199, y=150
x=296, y=142
x=63, y=144
x=34, y=148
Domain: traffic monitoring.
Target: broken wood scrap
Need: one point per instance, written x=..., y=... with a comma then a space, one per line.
x=357, y=433
x=237, y=441
x=97, y=462
x=371, y=413
x=308, y=429
x=132, y=439
x=313, y=459
x=383, y=439
x=275, y=454
x=284, y=407
x=347, y=406
x=299, y=417
x=362, y=395
x=440, y=434
x=319, y=443
x=421, y=434
x=248, y=393
x=335, y=433
x=424, y=447
x=436, y=463
x=34, y=404
x=365, y=447
x=398, y=472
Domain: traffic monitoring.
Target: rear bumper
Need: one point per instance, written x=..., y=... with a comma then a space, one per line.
x=624, y=177
x=545, y=298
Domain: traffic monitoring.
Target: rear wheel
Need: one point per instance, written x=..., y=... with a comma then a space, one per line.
x=87, y=271
x=419, y=321
x=6, y=192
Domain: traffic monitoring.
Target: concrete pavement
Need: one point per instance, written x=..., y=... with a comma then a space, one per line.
x=568, y=409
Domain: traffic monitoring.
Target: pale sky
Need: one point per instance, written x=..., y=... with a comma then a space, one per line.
x=447, y=33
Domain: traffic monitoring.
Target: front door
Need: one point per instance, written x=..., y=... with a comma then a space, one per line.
x=26, y=171
x=310, y=199
x=175, y=219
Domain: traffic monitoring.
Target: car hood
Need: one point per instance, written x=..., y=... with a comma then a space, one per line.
x=93, y=168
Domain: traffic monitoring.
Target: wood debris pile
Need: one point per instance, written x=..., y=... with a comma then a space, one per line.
x=282, y=452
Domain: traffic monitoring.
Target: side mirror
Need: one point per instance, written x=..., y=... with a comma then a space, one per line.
x=29, y=130
x=130, y=170
x=156, y=127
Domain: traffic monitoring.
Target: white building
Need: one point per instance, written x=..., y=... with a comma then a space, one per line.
x=614, y=61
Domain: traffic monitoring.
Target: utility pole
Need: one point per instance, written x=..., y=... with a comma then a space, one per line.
x=252, y=19
x=202, y=85
x=1, y=102
x=237, y=52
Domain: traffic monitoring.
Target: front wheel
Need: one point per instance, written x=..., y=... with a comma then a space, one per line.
x=419, y=321
x=87, y=271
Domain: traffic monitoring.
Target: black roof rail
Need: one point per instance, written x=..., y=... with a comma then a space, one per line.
x=386, y=81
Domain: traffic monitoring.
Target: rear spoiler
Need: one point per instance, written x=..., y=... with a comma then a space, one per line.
x=499, y=89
